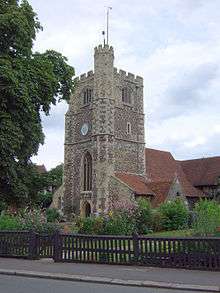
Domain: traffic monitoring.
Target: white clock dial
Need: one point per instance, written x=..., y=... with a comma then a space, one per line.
x=84, y=128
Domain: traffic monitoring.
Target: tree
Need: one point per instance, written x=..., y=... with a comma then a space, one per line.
x=47, y=183
x=55, y=177
x=29, y=83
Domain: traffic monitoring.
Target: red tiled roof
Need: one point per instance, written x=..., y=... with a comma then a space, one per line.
x=202, y=172
x=160, y=190
x=162, y=170
x=188, y=189
x=135, y=182
x=162, y=167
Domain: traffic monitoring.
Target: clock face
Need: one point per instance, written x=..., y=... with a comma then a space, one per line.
x=84, y=128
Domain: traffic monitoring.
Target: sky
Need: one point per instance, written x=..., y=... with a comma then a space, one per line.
x=173, y=44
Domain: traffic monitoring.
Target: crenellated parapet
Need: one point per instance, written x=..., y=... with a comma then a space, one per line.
x=104, y=49
x=84, y=76
x=121, y=74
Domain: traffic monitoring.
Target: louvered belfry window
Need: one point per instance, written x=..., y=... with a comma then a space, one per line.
x=126, y=95
x=87, y=96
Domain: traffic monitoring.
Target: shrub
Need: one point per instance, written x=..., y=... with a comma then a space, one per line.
x=207, y=217
x=52, y=215
x=44, y=199
x=174, y=215
x=156, y=220
x=122, y=221
x=10, y=223
x=119, y=224
x=3, y=206
x=35, y=220
x=143, y=217
x=90, y=225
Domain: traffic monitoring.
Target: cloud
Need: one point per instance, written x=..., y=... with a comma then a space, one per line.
x=56, y=118
x=173, y=44
x=187, y=93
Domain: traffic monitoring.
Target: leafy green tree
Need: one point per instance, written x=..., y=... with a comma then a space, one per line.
x=46, y=184
x=29, y=83
x=55, y=177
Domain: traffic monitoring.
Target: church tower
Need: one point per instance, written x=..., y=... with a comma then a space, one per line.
x=104, y=134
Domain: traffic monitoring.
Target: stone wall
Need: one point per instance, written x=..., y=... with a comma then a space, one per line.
x=119, y=192
x=176, y=191
x=57, y=202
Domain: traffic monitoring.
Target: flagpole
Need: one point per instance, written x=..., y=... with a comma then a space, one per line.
x=107, y=24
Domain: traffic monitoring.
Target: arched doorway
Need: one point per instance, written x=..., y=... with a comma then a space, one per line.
x=86, y=210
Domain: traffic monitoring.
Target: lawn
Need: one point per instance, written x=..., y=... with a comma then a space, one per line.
x=177, y=233
x=174, y=233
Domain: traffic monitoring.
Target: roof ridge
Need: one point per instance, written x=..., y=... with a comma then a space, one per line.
x=199, y=159
x=156, y=150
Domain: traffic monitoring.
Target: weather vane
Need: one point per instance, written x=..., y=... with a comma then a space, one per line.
x=108, y=8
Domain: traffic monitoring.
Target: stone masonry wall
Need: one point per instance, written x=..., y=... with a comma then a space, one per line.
x=119, y=192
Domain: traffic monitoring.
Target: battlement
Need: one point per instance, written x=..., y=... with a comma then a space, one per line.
x=84, y=76
x=104, y=49
x=127, y=75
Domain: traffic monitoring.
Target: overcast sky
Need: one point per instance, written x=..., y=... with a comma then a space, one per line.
x=173, y=44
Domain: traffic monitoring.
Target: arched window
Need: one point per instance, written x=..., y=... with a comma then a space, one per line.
x=87, y=172
x=126, y=95
x=87, y=96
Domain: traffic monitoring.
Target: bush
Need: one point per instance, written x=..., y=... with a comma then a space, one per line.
x=31, y=220
x=156, y=221
x=52, y=215
x=119, y=224
x=35, y=220
x=207, y=217
x=44, y=199
x=3, y=206
x=10, y=223
x=143, y=217
x=90, y=225
x=174, y=215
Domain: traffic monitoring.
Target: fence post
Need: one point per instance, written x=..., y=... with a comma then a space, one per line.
x=135, y=247
x=32, y=245
x=56, y=246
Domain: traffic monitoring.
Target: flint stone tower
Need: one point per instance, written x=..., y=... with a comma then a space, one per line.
x=104, y=135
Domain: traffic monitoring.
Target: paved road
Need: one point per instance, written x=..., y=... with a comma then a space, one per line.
x=113, y=271
x=13, y=284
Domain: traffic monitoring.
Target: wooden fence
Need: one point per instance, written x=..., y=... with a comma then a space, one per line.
x=26, y=244
x=188, y=253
